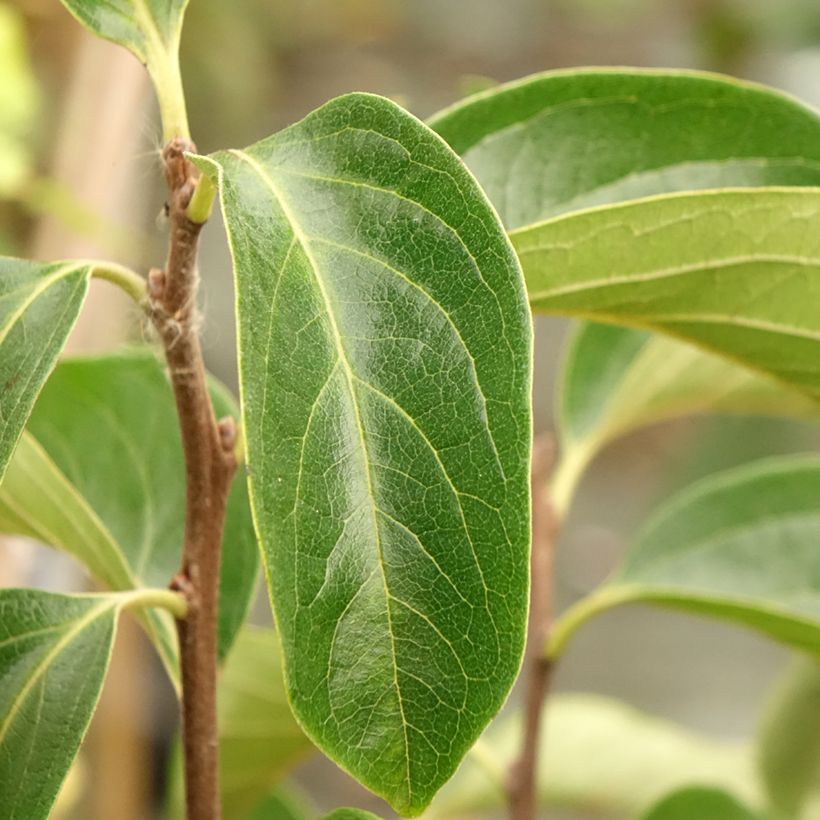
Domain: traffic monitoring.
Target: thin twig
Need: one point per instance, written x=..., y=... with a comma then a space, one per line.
x=210, y=464
x=521, y=784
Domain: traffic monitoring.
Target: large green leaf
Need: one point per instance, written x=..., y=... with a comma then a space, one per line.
x=567, y=140
x=737, y=272
x=616, y=380
x=597, y=757
x=385, y=348
x=700, y=803
x=54, y=652
x=789, y=739
x=151, y=30
x=741, y=546
x=100, y=475
x=39, y=305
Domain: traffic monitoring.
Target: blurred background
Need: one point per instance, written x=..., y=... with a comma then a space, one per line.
x=79, y=177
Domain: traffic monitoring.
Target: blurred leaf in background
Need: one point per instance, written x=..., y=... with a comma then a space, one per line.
x=19, y=109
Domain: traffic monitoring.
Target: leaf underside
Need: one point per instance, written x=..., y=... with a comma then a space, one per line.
x=99, y=475
x=144, y=27
x=54, y=652
x=384, y=343
x=736, y=272
x=718, y=549
x=562, y=141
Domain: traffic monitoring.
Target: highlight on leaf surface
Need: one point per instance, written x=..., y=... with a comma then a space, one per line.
x=98, y=474
x=718, y=549
x=384, y=347
x=572, y=139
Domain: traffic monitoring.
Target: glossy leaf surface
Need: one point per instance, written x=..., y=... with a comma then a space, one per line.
x=566, y=140
x=385, y=347
x=39, y=305
x=616, y=380
x=701, y=803
x=100, y=475
x=737, y=272
x=54, y=652
x=151, y=30
x=598, y=757
x=789, y=739
x=740, y=546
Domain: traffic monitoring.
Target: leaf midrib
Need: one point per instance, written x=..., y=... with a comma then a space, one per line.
x=349, y=376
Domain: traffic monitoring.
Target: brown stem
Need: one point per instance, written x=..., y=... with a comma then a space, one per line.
x=210, y=464
x=521, y=783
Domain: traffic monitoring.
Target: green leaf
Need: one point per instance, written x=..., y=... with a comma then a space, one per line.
x=54, y=652
x=285, y=803
x=732, y=271
x=597, y=757
x=39, y=305
x=100, y=475
x=151, y=30
x=701, y=803
x=616, y=380
x=351, y=814
x=717, y=549
x=567, y=140
x=385, y=350
x=789, y=738
x=259, y=740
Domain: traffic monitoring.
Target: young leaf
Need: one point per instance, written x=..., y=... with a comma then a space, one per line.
x=718, y=549
x=598, y=757
x=789, y=738
x=616, y=380
x=151, y=30
x=566, y=140
x=99, y=475
x=384, y=343
x=701, y=803
x=736, y=272
x=54, y=652
x=39, y=305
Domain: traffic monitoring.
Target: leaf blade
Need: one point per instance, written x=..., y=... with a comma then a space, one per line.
x=594, y=136
x=39, y=304
x=730, y=271
x=99, y=475
x=712, y=550
x=37, y=676
x=308, y=282
x=615, y=380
